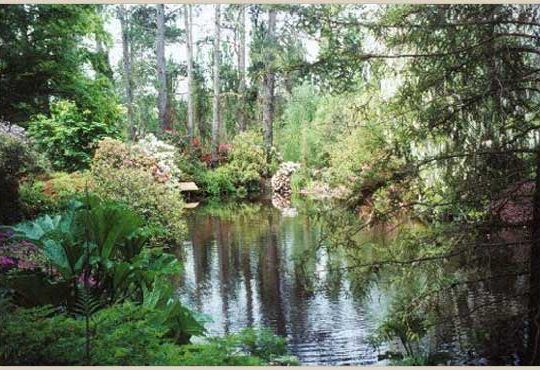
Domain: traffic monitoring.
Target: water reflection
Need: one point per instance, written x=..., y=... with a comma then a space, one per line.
x=251, y=265
x=247, y=267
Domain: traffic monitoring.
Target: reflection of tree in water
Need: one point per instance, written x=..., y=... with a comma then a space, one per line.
x=467, y=293
x=223, y=252
x=264, y=269
x=247, y=276
x=270, y=278
x=489, y=310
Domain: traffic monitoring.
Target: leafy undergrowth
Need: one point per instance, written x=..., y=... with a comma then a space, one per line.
x=126, y=334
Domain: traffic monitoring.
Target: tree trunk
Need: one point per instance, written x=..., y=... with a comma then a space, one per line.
x=215, y=105
x=242, y=69
x=534, y=282
x=101, y=50
x=127, y=71
x=162, y=77
x=189, y=51
x=268, y=82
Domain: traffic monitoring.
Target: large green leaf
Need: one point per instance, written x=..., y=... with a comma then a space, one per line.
x=56, y=254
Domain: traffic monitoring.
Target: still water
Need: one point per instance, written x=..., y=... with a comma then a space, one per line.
x=251, y=265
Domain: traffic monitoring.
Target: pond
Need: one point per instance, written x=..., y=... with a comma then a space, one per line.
x=250, y=264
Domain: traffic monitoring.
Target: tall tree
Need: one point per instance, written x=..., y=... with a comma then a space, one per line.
x=102, y=62
x=128, y=79
x=472, y=82
x=161, y=71
x=189, y=52
x=269, y=80
x=215, y=103
x=242, y=68
x=40, y=60
x=533, y=348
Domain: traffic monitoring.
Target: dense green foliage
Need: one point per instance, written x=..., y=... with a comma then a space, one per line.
x=125, y=334
x=99, y=241
x=299, y=138
x=45, y=56
x=69, y=137
x=51, y=193
x=241, y=174
x=17, y=160
x=404, y=112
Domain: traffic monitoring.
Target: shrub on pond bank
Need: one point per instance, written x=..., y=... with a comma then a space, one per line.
x=100, y=267
x=127, y=175
x=101, y=241
x=246, y=167
x=51, y=193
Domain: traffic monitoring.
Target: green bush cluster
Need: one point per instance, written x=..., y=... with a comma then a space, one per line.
x=126, y=334
x=99, y=241
x=246, y=167
x=355, y=154
x=98, y=257
x=124, y=174
x=298, y=137
x=68, y=136
x=52, y=193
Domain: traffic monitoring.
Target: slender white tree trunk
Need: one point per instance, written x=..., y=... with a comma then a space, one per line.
x=215, y=106
x=242, y=69
x=128, y=84
x=189, y=51
x=162, y=77
x=268, y=82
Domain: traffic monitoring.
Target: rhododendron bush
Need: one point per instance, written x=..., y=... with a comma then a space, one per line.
x=128, y=174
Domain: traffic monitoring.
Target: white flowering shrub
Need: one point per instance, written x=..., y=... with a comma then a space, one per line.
x=166, y=170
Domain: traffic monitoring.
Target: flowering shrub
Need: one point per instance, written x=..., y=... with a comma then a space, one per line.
x=165, y=156
x=62, y=184
x=16, y=254
x=15, y=131
x=127, y=175
x=242, y=166
x=223, y=151
x=246, y=167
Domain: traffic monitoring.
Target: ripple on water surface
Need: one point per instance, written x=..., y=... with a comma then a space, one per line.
x=259, y=269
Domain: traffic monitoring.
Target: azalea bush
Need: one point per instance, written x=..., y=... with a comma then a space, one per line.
x=69, y=136
x=126, y=174
x=165, y=156
x=18, y=254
